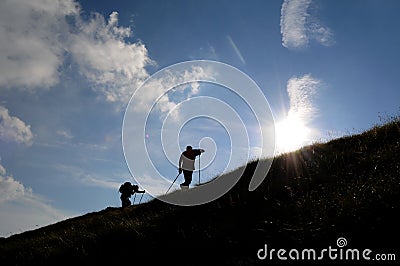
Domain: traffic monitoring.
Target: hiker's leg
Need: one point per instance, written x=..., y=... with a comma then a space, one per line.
x=125, y=202
x=188, y=177
x=128, y=202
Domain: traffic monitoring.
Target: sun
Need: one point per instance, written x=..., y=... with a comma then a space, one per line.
x=291, y=134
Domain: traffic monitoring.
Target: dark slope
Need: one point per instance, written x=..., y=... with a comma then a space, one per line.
x=348, y=187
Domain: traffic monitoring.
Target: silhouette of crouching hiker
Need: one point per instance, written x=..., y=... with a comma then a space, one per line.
x=127, y=190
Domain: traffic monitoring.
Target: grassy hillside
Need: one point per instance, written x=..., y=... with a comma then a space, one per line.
x=348, y=187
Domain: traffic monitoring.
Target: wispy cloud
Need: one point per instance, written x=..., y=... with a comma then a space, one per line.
x=206, y=52
x=90, y=180
x=64, y=134
x=321, y=34
x=299, y=26
x=13, y=129
x=158, y=87
x=87, y=178
x=236, y=49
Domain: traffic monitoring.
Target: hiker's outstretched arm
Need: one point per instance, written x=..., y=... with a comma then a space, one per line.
x=199, y=151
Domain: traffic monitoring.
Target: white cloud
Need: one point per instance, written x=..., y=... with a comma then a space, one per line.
x=301, y=92
x=10, y=189
x=37, y=36
x=13, y=129
x=31, y=41
x=295, y=130
x=293, y=20
x=2, y=170
x=116, y=67
x=298, y=26
x=21, y=209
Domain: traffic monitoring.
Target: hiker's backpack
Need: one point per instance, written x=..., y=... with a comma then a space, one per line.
x=125, y=188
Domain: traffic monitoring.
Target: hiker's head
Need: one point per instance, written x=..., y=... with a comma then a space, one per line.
x=188, y=148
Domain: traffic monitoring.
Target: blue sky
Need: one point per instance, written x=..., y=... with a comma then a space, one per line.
x=68, y=69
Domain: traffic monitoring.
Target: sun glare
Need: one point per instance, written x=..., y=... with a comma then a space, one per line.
x=291, y=134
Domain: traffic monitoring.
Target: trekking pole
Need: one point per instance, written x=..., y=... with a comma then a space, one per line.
x=199, y=169
x=141, y=198
x=134, y=197
x=172, y=183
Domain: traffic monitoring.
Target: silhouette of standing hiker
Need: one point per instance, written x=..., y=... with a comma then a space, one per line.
x=127, y=190
x=186, y=164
